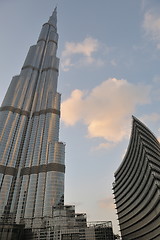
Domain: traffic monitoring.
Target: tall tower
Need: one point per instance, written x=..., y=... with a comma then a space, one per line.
x=31, y=156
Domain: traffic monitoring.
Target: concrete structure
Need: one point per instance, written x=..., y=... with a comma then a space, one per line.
x=68, y=225
x=100, y=230
x=137, y=186
x=64, y=220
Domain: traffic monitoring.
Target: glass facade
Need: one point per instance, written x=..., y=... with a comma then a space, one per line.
x=32, y=164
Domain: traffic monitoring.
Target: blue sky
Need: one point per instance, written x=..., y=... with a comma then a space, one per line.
x=109, y=71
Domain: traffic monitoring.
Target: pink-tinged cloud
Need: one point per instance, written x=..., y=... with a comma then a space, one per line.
x=106, y=203
x=106, y=110
x=104, y=145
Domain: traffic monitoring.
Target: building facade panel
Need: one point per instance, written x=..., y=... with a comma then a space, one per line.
x=136, y=189
x=32, y=163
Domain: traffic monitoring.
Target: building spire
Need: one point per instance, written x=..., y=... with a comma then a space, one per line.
x=53, y=18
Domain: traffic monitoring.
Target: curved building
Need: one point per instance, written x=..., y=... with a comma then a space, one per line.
x=137, y=186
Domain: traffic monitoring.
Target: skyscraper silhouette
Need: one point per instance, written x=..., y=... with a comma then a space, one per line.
x=31, y=156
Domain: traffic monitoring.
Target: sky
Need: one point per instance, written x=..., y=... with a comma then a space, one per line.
x=109, y=70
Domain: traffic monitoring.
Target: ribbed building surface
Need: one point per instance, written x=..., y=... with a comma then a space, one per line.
x=137, y=186
x=31, y=156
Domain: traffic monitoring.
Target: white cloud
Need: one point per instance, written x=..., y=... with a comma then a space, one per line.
x=66, y=64
x=151, y=26
x=107, y=109
x=83, y=51
x=87, y=47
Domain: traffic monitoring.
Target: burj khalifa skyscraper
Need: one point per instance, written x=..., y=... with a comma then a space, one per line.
x=31, y=157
